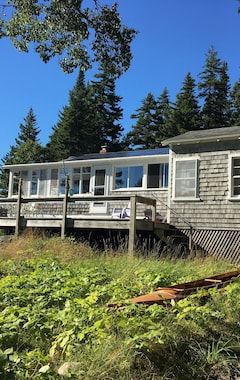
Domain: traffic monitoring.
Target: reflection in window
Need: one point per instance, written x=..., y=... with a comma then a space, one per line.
x=43, y=182
x=62, y=179
x=23, y=174
x=186, y=178
x=34, y=182
x=54, y=182
x=128, y=177
x=81, y=180
x=157, y=175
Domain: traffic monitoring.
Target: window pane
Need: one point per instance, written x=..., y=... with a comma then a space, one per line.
x=153, y=178
x=43, y=182
x=24, y=176
x=85, y=183
x=236, y=186
x=121, y=176
x=75, y=184
x=16, y=176
x=185, y=181
x=76, y=170
x=62, y=180
x=135, y=176
x=157, y=175
x=164, y=175
x=100, y=177
x=54, y=182
x=34, y=182
x=185, y=188
x=185, y=169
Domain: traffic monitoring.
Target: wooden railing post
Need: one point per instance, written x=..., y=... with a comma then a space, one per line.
x=64, y=213
x=18, y=211
x=191, y=240
x=132, y=227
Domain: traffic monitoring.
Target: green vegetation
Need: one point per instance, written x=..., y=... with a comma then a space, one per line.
x=54, y=310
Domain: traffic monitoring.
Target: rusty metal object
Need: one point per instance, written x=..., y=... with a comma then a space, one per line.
x=162, y=296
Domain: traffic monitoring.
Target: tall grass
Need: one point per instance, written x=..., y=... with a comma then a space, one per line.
x=54, y=296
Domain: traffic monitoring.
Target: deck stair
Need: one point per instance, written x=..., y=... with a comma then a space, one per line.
x=175, y=241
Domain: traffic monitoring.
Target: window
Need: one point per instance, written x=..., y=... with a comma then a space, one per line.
x=23, y=174
x=81, y=180
x=186, y=179
x=62, y=180
x=128, y=177
x=34, y=182
x=236, y=176
x=157, y=175
x=43, y=183
x=54, y=182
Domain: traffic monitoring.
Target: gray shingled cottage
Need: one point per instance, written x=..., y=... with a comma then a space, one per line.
x=204, y=188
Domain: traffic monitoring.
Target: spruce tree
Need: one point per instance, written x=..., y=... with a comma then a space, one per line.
x=163, y=115
x=235, y=98
x=143, y=133
x=74, y=133
x=214, y=89
x=186, y=114
x=108, y=111
x=27, y=148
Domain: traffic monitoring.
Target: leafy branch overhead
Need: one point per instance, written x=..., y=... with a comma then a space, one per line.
x=78, y=35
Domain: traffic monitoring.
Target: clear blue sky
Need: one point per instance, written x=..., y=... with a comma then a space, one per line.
x=174, y=37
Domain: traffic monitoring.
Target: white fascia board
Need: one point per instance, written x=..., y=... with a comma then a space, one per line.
x=99, y=161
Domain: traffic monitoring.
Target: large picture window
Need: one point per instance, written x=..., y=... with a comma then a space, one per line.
x=126, y=177
x=186, y=179
x=157, y=175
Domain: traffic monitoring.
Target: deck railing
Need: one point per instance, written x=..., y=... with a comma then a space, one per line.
x=21, y=209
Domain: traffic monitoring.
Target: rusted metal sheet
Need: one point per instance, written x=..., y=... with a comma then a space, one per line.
x=162, y=296
x=176, y=292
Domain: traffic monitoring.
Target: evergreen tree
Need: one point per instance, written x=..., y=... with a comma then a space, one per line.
x=89, y=121
x=164, y=108
x=27, y=148
x=143, y=133
x=29, y=130
x=74, y=133
x=214, y=89
x=107, y=111
x=235, y=98
x=186, y=115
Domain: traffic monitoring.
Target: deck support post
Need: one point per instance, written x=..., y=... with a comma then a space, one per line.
x=191, y=240
x=64, y=213
x=18, y=211
x=132, y=227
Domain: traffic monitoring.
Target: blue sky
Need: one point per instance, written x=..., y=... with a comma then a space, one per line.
x=174, y=38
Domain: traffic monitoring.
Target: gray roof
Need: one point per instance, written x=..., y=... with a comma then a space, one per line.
x=205, y=135
x=129, y=153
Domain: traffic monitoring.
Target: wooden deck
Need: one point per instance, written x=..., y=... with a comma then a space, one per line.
x=19, y=213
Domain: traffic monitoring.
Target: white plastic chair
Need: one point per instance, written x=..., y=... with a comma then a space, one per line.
x=121, y=212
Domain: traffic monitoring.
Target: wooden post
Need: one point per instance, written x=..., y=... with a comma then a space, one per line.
x=132, y=227
x=191, y=240
x=64, y=214
x=18, y=211
x=154, y=213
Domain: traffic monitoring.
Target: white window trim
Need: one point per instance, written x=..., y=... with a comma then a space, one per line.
x=129, y=188
x=231, y=197
x=187, y=198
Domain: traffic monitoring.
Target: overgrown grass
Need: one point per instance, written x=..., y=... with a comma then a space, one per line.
x=54, y=296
